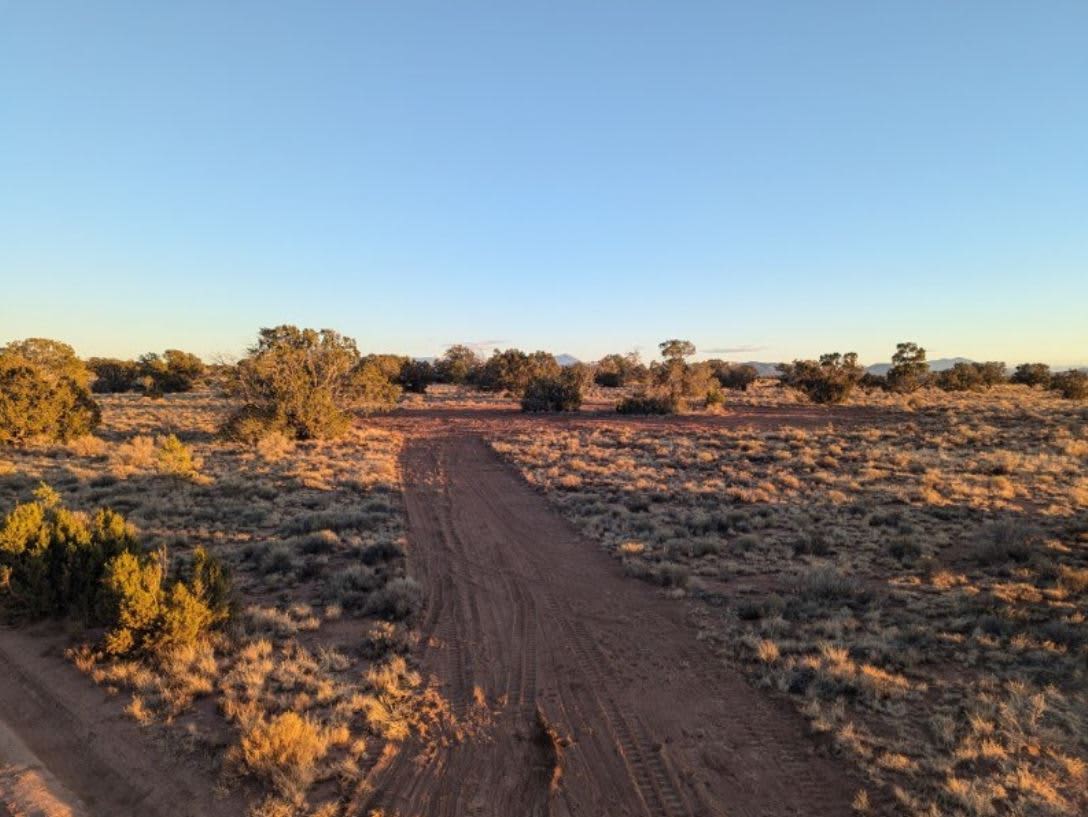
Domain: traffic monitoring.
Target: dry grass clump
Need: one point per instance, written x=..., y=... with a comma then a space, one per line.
x=914, y=580
x=284, y=749
x=383, y=638
x=88, y=446
x=389, y=706
x=165, y=455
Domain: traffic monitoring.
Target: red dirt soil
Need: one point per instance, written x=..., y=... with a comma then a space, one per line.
x=27, y=789
x=594, y=695
x=72, y=728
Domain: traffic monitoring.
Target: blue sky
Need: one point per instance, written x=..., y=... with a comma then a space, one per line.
x=777, y=179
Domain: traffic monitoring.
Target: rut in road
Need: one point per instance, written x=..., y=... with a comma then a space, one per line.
x=598, y=700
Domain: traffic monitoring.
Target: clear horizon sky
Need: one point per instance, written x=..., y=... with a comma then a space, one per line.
x=768, y=179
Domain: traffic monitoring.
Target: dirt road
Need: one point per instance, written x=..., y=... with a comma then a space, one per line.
x=27, y=788
x=64, y=728
x=600, y=700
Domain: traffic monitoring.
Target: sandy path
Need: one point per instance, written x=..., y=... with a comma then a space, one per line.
x=106, y=765
x=525, y=614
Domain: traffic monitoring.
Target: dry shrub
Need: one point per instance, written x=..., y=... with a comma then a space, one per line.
x=648, y=404
x=399, y=600
x=166, y=455
x=284, y=750
x=767, y=651
x=631, y=549
x=87, y=446
x=138, y=711
x=174, y=458
x=1000, y=543
x=383, y=638
x=562, y=392
x=672, y=574
x=274, y=446
x=260, y=620
x=187, y=671
x=828, y=585
x=251, y=424
x=1073, y=580
x=138, y=454
x=389, y=708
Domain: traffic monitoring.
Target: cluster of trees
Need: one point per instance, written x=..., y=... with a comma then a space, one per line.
x=58, y=563
x=153, y=374
x=302, y=382
x=458, y=365
x=834, y=376
x=616, y=371
x=171, y=372
x=827, y=380
x=544, y=385
x=971, y=376
x=536, y=378
x=737, y=376
x=510, y=371
x=1071, y=384
x=44, y=393
x=672, y=383
x=387, y=376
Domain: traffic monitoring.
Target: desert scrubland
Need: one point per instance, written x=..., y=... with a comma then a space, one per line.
x=317, y=583
x=912, y=577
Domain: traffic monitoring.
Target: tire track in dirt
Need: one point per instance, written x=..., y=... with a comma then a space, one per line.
x=454, y=774
x=580, y=667
x=766, y=732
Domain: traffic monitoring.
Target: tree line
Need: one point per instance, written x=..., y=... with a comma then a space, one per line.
x=833, y=377
x=306, y=383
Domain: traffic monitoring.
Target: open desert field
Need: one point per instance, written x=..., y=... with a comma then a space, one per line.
x=910, y=575
x=457, y=608
x=564, y=409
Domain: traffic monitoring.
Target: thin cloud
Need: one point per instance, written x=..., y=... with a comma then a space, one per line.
x=733, y=350
x=479, y=345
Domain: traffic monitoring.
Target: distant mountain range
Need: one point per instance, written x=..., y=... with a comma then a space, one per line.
x=939, y=365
